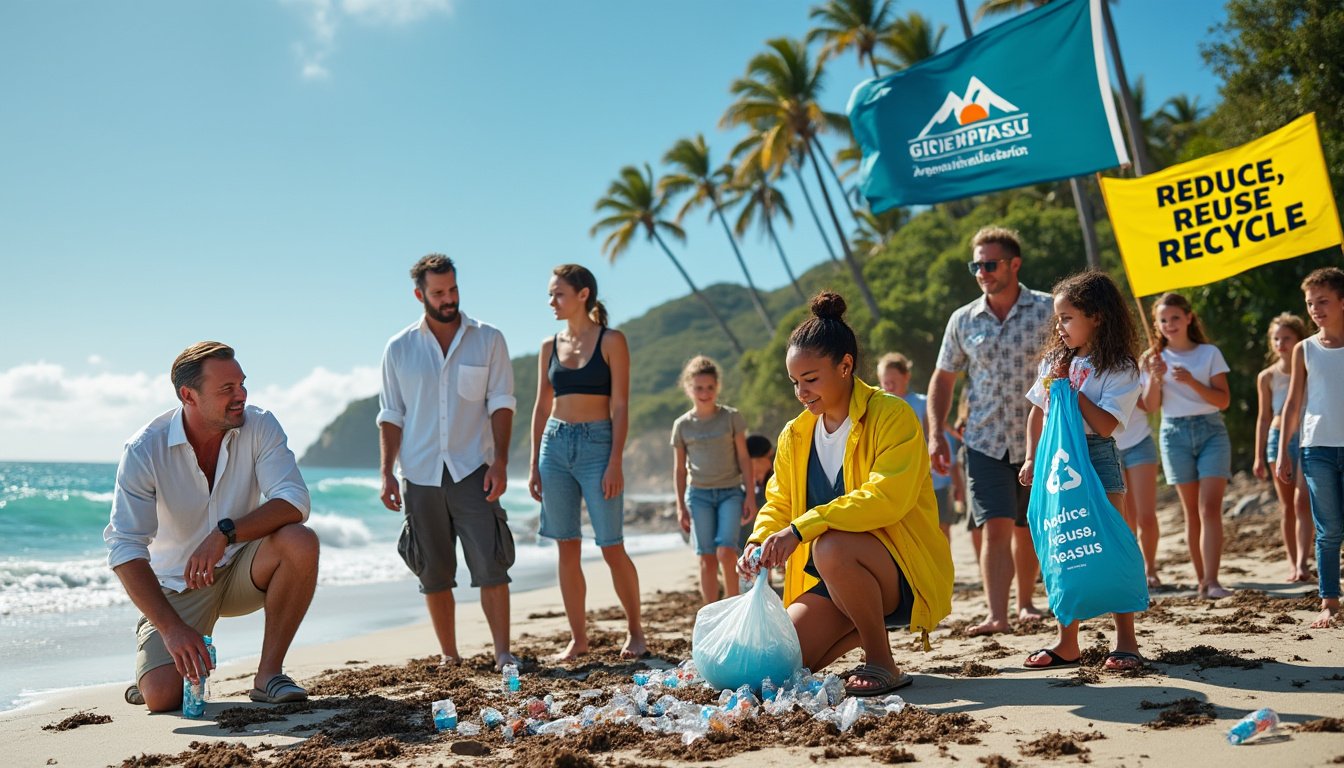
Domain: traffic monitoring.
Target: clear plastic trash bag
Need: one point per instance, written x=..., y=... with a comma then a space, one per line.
x=744, y=639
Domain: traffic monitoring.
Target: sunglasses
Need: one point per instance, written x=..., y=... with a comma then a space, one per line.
x=989, y=265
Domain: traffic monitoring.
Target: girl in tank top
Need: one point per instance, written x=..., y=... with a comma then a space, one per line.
x=1285, y=332
x=1315, y=407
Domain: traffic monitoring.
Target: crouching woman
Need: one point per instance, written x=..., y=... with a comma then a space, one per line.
x=850, y=511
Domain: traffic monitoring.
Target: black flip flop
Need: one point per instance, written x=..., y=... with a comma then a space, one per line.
x=886, y=681
x=1124, y=656
x=1055, y=660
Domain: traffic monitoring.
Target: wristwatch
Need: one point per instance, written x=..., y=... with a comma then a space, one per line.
x=227, y=528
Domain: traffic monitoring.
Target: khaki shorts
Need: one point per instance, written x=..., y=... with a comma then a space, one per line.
x=437, y=517
x=232, y=594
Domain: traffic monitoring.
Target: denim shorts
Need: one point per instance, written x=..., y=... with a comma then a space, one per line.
x=571, y=461
x=1105, y=459
x=1272, y=447
x=1138, y=455
x=1195, y=447
x=716, y=518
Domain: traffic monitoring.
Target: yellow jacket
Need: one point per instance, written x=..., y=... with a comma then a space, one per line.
x=886, y=468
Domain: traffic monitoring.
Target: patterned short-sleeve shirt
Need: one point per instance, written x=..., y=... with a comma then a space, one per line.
x=1000, y=362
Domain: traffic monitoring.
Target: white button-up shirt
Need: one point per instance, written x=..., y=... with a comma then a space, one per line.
x=443, y=402
x=163, y=507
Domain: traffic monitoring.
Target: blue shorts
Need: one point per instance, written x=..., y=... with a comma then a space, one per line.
x=1138, y=455
x=1105, y=458
x=1272, y=447
x=571, y=461
x=716, y=518
x=1195, y=448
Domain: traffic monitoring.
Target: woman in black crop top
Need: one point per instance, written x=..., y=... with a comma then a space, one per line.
x=579, y=427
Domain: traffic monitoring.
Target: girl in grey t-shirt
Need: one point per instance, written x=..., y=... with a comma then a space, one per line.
x=709, y=474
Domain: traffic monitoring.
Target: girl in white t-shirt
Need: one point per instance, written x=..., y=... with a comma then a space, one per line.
x=1316, y=404
x=1187, y=381
x=1094, y=349
x=1285, y=332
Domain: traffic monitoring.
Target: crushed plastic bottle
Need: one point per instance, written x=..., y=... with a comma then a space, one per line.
x=850, y=712
x=1257, y=722
x=640, y=678
x=768, y=689
x=194, y=695
x=834, y=689
x=565, y=726
x=491, y=717
x=445, y=715
x=510, y=682
x=468, y=729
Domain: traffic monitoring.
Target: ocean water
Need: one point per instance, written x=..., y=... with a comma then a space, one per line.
x=65, y=620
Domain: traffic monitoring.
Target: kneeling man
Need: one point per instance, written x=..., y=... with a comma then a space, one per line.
x=191, y=539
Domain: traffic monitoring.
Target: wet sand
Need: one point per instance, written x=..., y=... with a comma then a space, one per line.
x=973, y=703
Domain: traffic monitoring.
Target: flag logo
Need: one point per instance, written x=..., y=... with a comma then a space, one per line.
x=971, y=122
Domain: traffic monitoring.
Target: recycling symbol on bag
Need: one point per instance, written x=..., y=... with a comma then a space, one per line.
x=1053, y=483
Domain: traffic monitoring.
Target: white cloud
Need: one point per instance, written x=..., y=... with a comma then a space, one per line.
x=95, y=360
x=395, y=11
x=50, y=414
x=323, y=19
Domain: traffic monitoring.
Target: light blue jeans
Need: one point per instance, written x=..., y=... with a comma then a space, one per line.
x=1195, y=447
x=1323, y=466
x=571, y=461
x=716, y=518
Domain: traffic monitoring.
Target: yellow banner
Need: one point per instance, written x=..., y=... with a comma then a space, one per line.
x=1208, y=219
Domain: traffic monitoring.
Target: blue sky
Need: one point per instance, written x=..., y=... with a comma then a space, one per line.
x=264, y=172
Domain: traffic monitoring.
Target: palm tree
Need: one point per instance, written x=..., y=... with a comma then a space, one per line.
x=761, y=203
x=632, y=203
x=911, y=40
x=1177, y=121
x=845, y=24
x=778, y=96
x=747, y=154
x=695, y=173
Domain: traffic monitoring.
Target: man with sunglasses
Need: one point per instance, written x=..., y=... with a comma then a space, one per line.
x=996, y=340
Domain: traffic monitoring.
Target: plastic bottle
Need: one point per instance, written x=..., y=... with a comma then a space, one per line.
x=491, y=717
x=445, y=715
x=1258, y=721
x=510, y=682
x=194, y=695
x=768, y=689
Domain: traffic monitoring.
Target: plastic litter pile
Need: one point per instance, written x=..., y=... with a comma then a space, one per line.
x=650, y=702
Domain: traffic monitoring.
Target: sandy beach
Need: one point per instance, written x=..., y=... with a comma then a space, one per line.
x=1209, y=663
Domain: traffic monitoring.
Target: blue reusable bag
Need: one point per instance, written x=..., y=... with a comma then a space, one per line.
x=1090, y=560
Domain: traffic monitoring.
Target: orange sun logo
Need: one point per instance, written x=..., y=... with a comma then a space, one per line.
x=972, y=113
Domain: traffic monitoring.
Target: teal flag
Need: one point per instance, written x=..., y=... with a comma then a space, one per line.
x=1024, y=102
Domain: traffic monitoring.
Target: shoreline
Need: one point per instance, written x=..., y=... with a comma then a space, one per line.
x=1209, y=663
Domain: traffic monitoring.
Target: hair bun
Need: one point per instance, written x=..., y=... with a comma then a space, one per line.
x=829, y=305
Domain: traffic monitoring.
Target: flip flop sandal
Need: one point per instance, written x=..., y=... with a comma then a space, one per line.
x=886, y=681
x=1122, y=657
x=133, y=696
x=279, y=689
x=1055, y=660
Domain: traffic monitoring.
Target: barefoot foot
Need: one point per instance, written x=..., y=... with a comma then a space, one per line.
x=1326, y=618
x=987, y=628
x=575, y=649
x=1029, y=613
x=634, y=648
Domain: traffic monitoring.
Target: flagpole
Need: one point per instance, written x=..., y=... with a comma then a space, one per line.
x=1138, y=302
